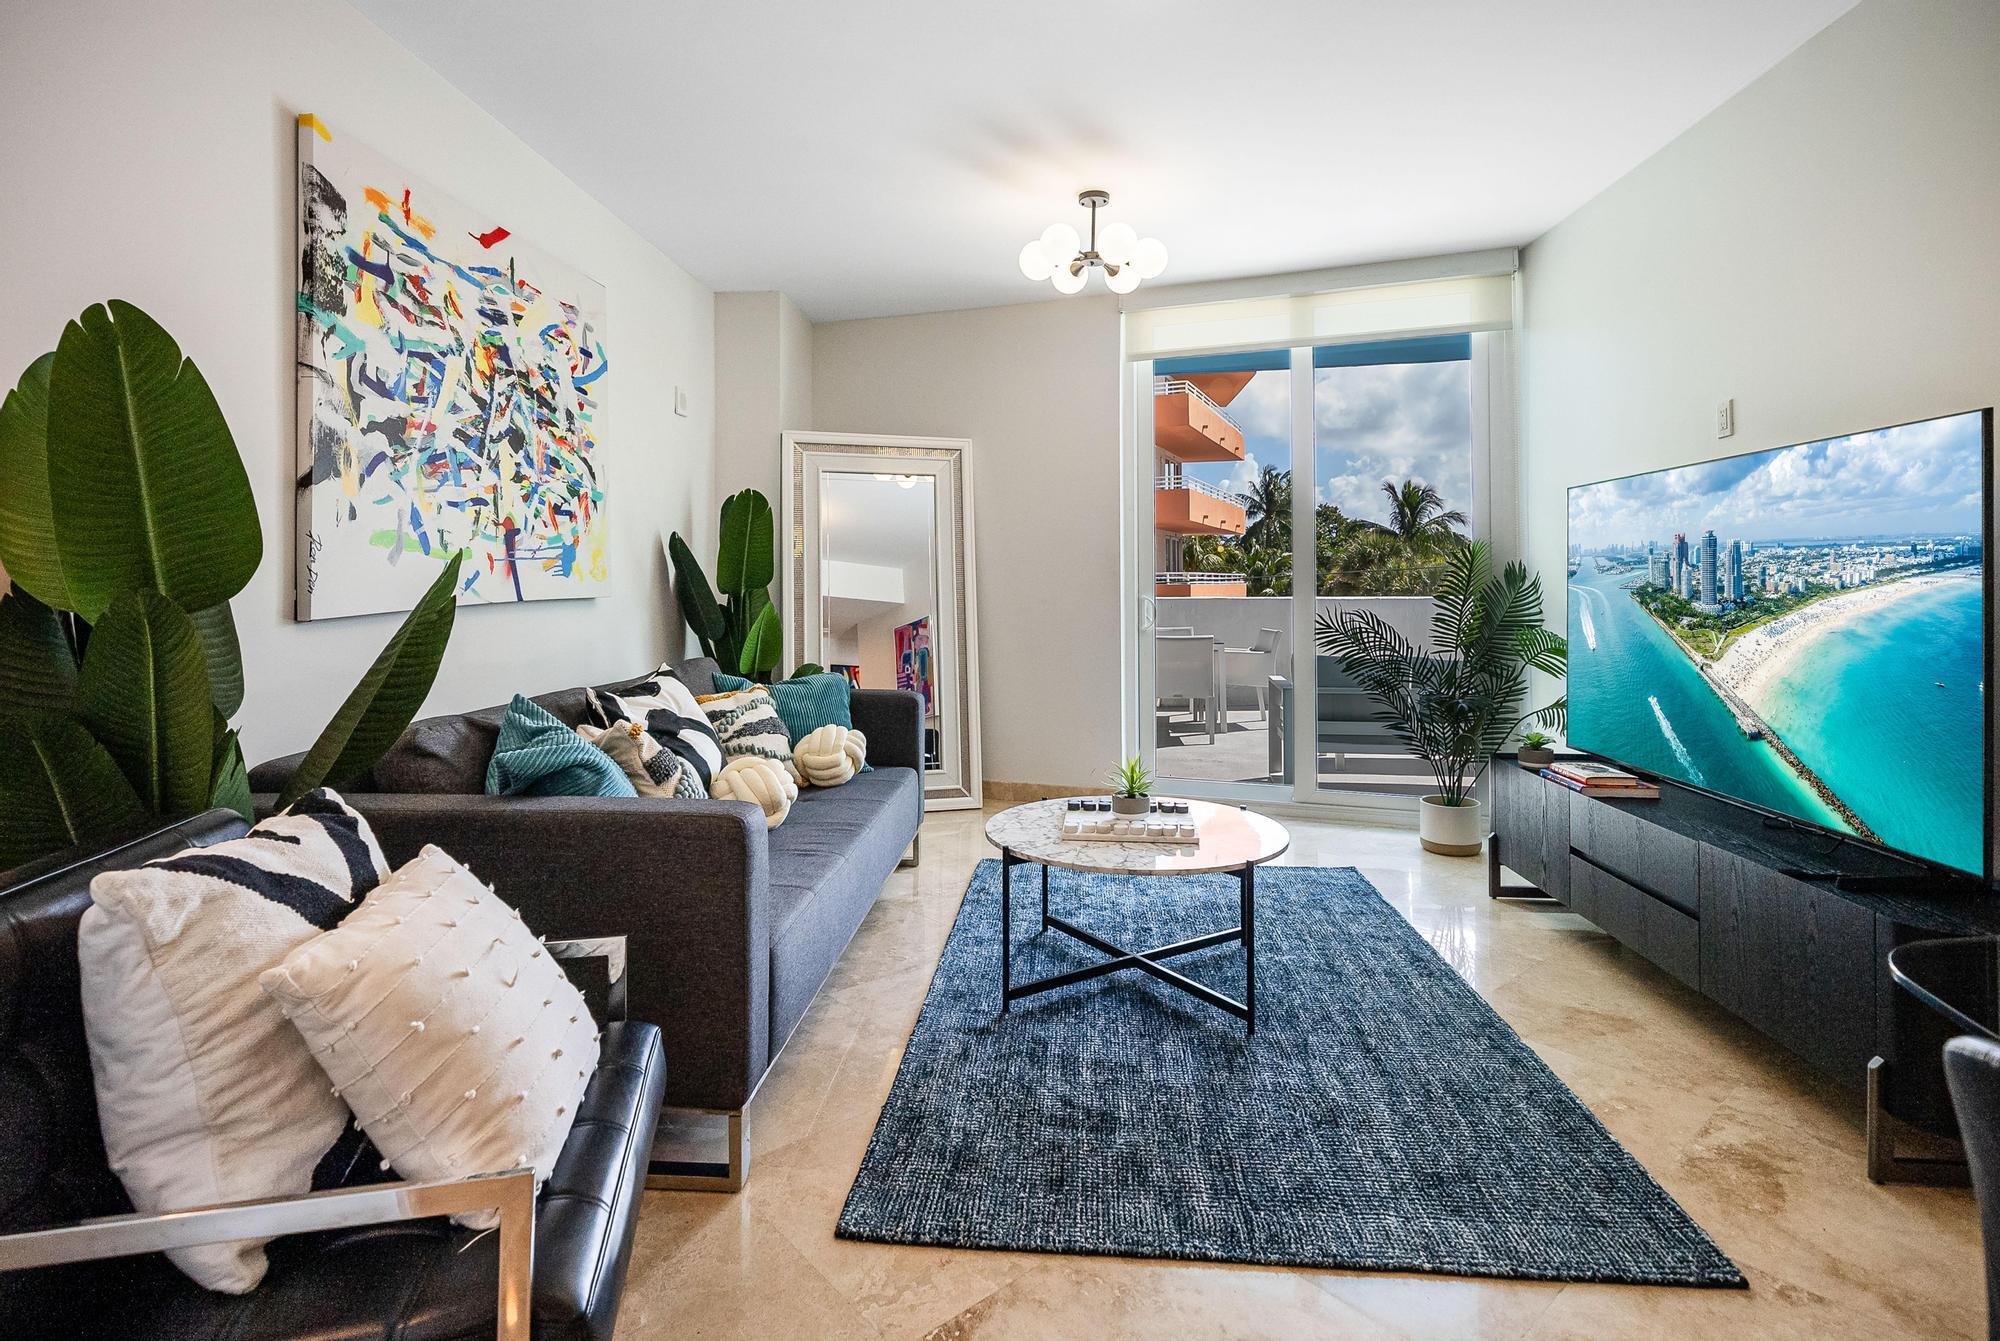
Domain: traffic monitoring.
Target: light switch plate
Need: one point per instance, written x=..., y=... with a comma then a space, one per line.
x=1725, y=418
x=681, y=401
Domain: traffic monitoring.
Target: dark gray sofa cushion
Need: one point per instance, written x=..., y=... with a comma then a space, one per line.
x=827, y=863
x=698, y=674
x=447, y=756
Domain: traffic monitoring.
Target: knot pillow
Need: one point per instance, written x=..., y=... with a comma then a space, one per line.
x=830, y=755
x=764, y=783
x=748, y=725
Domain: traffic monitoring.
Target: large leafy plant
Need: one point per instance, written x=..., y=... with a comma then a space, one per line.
x=742, y=631
x=126, y=525
x=1455, y=703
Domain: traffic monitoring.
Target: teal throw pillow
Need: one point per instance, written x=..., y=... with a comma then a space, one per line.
x=538, y=755
x=805, y=703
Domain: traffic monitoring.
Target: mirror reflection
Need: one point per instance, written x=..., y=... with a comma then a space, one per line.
x=878, y=585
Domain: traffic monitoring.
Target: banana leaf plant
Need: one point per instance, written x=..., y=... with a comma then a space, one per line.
x=1455, y=703
x=127, y=522
x=742, y=631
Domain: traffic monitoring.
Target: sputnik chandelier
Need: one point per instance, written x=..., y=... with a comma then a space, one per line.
x=1124, y=257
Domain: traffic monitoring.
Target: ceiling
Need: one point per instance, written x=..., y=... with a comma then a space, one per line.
x=889, y=157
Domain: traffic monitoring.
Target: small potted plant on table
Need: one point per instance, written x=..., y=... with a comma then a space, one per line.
x=1537, y=750
x=1131, y=788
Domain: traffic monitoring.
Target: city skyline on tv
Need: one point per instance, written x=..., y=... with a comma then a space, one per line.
x=1916, y=479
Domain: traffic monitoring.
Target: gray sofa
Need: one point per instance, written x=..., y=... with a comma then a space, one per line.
x=731, y=928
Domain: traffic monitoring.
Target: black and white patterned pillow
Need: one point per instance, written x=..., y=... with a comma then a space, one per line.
x=668, y=710
x=205, y=1094
x=746, y=721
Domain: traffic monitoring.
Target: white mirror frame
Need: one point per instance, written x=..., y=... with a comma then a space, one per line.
x=948, y=462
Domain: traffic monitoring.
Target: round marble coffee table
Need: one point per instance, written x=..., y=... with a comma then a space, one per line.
x=1230, y=840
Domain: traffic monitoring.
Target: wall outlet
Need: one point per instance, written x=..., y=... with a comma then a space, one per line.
x=681, y=401
x=1725, y=418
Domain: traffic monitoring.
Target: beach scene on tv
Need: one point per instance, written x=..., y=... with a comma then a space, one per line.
x=1802, y=628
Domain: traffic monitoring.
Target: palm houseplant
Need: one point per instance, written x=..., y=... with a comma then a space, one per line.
x=1455, y=702
x=127, y=523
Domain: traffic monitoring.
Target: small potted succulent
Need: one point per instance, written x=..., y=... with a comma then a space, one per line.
x=1537, y=750
x=1131, y=788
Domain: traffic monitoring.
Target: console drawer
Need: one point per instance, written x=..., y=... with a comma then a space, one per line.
x=1655, y=928
x=1616, y=838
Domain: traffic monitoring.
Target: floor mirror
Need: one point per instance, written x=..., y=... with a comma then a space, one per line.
x=878, y=583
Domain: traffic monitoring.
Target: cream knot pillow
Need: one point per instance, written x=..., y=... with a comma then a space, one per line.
x=446, y=1026
x=830, y=755
x=764, y=783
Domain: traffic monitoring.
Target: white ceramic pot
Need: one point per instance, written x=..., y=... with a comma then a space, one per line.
x=1131, y=805
x=1451, y=831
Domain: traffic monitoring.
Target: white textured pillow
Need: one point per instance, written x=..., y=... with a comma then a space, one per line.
x=204, y=1093
x=449, y=1029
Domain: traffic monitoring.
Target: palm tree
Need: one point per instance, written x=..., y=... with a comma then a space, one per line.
x=1418, y=517
x=1268, y=507
x=1266, y=571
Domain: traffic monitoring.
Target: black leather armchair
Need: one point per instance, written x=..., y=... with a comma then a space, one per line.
x=1972, y=1068
x=362, y=1259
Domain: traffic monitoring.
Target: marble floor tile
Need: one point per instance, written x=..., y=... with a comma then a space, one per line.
x=1763, y=1153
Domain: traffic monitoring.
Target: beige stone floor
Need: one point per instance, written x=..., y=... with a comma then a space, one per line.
x=1764, y=1158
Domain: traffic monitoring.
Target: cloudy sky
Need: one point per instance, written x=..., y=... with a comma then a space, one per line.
x=1400, y=421
x=1915, y=479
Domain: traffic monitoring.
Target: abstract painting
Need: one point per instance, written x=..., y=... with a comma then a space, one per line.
x=913, y=658
x=450, y=396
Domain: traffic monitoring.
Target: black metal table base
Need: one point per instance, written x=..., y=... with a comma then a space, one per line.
x=1120, y=959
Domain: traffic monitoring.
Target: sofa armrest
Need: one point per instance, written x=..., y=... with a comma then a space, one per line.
x=512, y=1194
x=685, y=882
x=893, y=721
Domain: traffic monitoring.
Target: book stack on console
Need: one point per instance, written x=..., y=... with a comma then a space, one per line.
x=1600, y=780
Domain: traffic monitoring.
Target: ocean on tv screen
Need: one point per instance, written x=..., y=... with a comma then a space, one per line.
x=1802, y=628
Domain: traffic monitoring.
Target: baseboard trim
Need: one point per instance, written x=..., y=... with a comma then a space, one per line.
x=1018, y=793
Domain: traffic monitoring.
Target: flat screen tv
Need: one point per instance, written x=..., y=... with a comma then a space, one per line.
x=1804, y=629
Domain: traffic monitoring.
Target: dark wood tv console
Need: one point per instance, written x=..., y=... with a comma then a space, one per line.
x=1787, y=928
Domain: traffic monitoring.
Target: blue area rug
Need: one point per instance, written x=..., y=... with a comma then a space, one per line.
x=1384, y=1117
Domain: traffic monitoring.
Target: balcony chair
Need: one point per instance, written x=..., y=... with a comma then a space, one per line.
x=1258, y=663
x=1185, y=667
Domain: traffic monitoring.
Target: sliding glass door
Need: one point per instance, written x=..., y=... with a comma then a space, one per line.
x=1277, y=490
x=1218, y=460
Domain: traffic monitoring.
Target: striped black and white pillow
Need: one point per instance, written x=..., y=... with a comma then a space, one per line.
x=746, y=721
x=205, y=1093
x=672, y=716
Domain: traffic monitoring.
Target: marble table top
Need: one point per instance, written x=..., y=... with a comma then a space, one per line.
x=1230, y=839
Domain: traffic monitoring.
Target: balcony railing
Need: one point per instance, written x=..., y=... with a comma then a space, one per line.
x=1197, y=486
x=1201, y=579
x=1173, y=386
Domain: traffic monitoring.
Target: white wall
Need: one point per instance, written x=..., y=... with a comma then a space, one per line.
x=1823, y=248
x=1036, y=389
x=149, y=151
x=763, y=387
